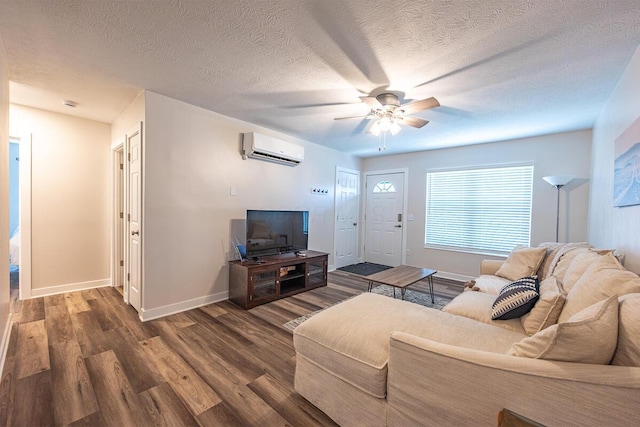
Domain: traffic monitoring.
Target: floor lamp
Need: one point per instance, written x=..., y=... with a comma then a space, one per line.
x=558, y=181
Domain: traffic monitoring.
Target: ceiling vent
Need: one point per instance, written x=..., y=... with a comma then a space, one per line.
x=263, y=147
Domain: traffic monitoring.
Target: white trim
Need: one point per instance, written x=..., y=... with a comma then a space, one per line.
x=178, y=307
x=25, y=218
x=4, y=344
x=70, y=287
x=405, y=206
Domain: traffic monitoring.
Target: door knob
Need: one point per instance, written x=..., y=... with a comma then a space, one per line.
x=135, y=233
x=355, y=223
x=398, y=226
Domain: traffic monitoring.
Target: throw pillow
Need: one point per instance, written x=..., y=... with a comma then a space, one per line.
x=565, y=261
x=578, y=266
x=545, y=266
x=516, y=299
x=628, y=350
x=589, y=336
x=547, y=309
x=603, y=278
x=522, y=262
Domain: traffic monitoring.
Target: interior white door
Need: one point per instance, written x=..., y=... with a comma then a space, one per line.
x=346, y=203
x=384, y=219
x=134, y=205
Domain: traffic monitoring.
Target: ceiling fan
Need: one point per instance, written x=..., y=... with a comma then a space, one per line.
x=390, y=114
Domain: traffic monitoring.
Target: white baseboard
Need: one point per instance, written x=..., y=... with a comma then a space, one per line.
x=4, y=344
x=156, y=313
x=71, y=287
x=454, y=276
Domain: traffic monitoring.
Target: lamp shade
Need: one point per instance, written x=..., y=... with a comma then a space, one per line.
x=558, y=180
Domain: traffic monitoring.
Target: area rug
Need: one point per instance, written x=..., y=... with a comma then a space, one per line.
x=364, y=268
x=411, y=296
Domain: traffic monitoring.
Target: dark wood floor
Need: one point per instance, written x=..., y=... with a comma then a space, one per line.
x=85, y=359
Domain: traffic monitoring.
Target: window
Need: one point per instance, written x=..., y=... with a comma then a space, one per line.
x=384, y=187
x=479, y=210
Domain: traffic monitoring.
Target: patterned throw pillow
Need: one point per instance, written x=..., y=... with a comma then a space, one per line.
x=516, y=299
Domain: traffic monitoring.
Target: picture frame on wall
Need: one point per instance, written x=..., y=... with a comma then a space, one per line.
x=626, y=169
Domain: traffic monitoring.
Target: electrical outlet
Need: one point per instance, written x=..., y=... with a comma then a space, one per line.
x=408, y=251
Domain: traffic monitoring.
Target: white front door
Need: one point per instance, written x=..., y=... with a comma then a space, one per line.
x=347, y=200
x=384, y=219
x=134, y=145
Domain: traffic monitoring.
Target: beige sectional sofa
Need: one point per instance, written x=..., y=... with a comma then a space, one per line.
x=574, y=359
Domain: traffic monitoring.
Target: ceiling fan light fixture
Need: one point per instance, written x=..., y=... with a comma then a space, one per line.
x=385, y=123
x=375, y=128
x=394, y=128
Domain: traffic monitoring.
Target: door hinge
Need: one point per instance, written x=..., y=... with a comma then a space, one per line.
x=121, y=215
x=129, y=156
x=128, y=217
x=128, y=277
x=121, y=263
x=121, y=166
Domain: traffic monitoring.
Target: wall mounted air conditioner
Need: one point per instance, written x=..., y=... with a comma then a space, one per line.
x=263, y=147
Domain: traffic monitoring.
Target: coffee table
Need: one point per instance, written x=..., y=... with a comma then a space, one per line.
x=402, y=277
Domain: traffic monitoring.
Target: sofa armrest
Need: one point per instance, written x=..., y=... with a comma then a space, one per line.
x=430, y=383
x=490, y=266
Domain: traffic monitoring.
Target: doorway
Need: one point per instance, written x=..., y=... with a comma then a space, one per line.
x=126, y=244
x=117, y=237
x=385, y=209
x=14, y=217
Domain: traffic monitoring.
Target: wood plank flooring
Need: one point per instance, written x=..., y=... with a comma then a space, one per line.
x=84, y=359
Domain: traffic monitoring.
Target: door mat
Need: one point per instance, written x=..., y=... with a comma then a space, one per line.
x=364, y=268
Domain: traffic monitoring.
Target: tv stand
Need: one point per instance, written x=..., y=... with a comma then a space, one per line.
x=252, y=283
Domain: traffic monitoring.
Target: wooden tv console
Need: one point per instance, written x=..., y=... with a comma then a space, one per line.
x=253, y=283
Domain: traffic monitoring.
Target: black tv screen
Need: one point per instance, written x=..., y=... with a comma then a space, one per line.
x=276, y=232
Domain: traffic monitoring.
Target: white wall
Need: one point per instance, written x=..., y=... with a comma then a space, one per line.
x=557, y=154
x=4, y=206
x=611, y=227
x=70, y=199
x=191, y=159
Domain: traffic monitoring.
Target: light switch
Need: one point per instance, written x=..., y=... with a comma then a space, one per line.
x=409, y=217
x=233, y=190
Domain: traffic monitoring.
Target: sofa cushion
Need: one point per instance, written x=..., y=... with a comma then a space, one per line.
x=521, y=262
x=628, y=349
x=477, y=306
x=604, y=277
x=578, y=266
x=351, y=339
x=589, y=336
x=547, y=309
x=516, y=299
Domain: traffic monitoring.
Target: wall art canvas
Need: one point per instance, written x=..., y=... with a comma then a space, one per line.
x=626, y=170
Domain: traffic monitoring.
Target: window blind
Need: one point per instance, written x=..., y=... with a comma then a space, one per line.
x=479, y=210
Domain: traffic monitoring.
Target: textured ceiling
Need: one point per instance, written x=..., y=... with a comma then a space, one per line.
x=501, y=69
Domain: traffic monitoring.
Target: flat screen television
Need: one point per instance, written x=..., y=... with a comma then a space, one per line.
x=276, y=232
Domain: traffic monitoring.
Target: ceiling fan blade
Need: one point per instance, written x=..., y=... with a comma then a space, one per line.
x=368, y=116
x=425, y=104
x=413, y=121
x=372, y=102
